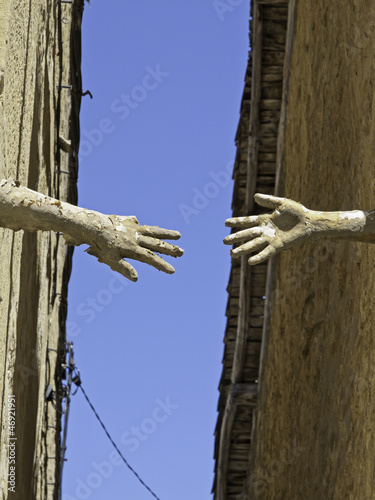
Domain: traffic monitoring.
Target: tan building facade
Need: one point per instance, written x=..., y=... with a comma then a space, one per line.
x=297, y=402
x=297, y=406
x=40, y=92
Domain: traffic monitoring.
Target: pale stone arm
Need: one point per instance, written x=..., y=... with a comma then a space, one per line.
x=291, y=224
x=111, y=238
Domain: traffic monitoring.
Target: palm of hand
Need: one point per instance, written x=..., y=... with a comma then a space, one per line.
x=268, y=234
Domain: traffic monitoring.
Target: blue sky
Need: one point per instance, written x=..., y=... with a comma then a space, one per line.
x=157, y=142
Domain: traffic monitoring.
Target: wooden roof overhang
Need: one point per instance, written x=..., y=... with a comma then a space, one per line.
x=259, y=141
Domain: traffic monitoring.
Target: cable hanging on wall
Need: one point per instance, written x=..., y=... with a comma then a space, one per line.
x=62, y=401
x=58, y=380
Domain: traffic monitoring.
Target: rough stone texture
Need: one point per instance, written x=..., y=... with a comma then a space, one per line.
x=32, y=276
x=315, y=433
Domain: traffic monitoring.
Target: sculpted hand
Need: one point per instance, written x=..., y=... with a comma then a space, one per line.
x=128, y=239
x=268, y=234
x=111, y=238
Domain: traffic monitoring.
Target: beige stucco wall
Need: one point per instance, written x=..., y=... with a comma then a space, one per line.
x=4, y=12
x=31, y=264
x=315, y=434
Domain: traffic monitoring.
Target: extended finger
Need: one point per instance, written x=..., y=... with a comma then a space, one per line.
x=249, y=221
x=145, y=255
x=125, y=269
x=268, y=201
x=262, y=256
x=251, y=246
x=158, y=232
x=243, y=235
x=160, y=246
x=115, y=263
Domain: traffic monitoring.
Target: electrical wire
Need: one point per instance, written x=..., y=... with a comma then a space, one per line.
x=116, y=448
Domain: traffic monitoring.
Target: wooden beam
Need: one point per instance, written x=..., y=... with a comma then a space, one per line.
x=245, y=393
x=247, y=493
x=241, y=335
x=224, y=447
x=281, y=3
x=256, y=87
x=285, y=94
x=252, y=161
x=237, y=394
x=278, y=190
x=279, y=171
x=241, y=393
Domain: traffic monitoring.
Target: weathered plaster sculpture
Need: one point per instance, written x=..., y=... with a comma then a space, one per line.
x=291, y=224
x=111, y=238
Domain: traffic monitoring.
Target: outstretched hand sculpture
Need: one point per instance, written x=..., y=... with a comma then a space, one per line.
x=111, y=238
x=291, y=224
